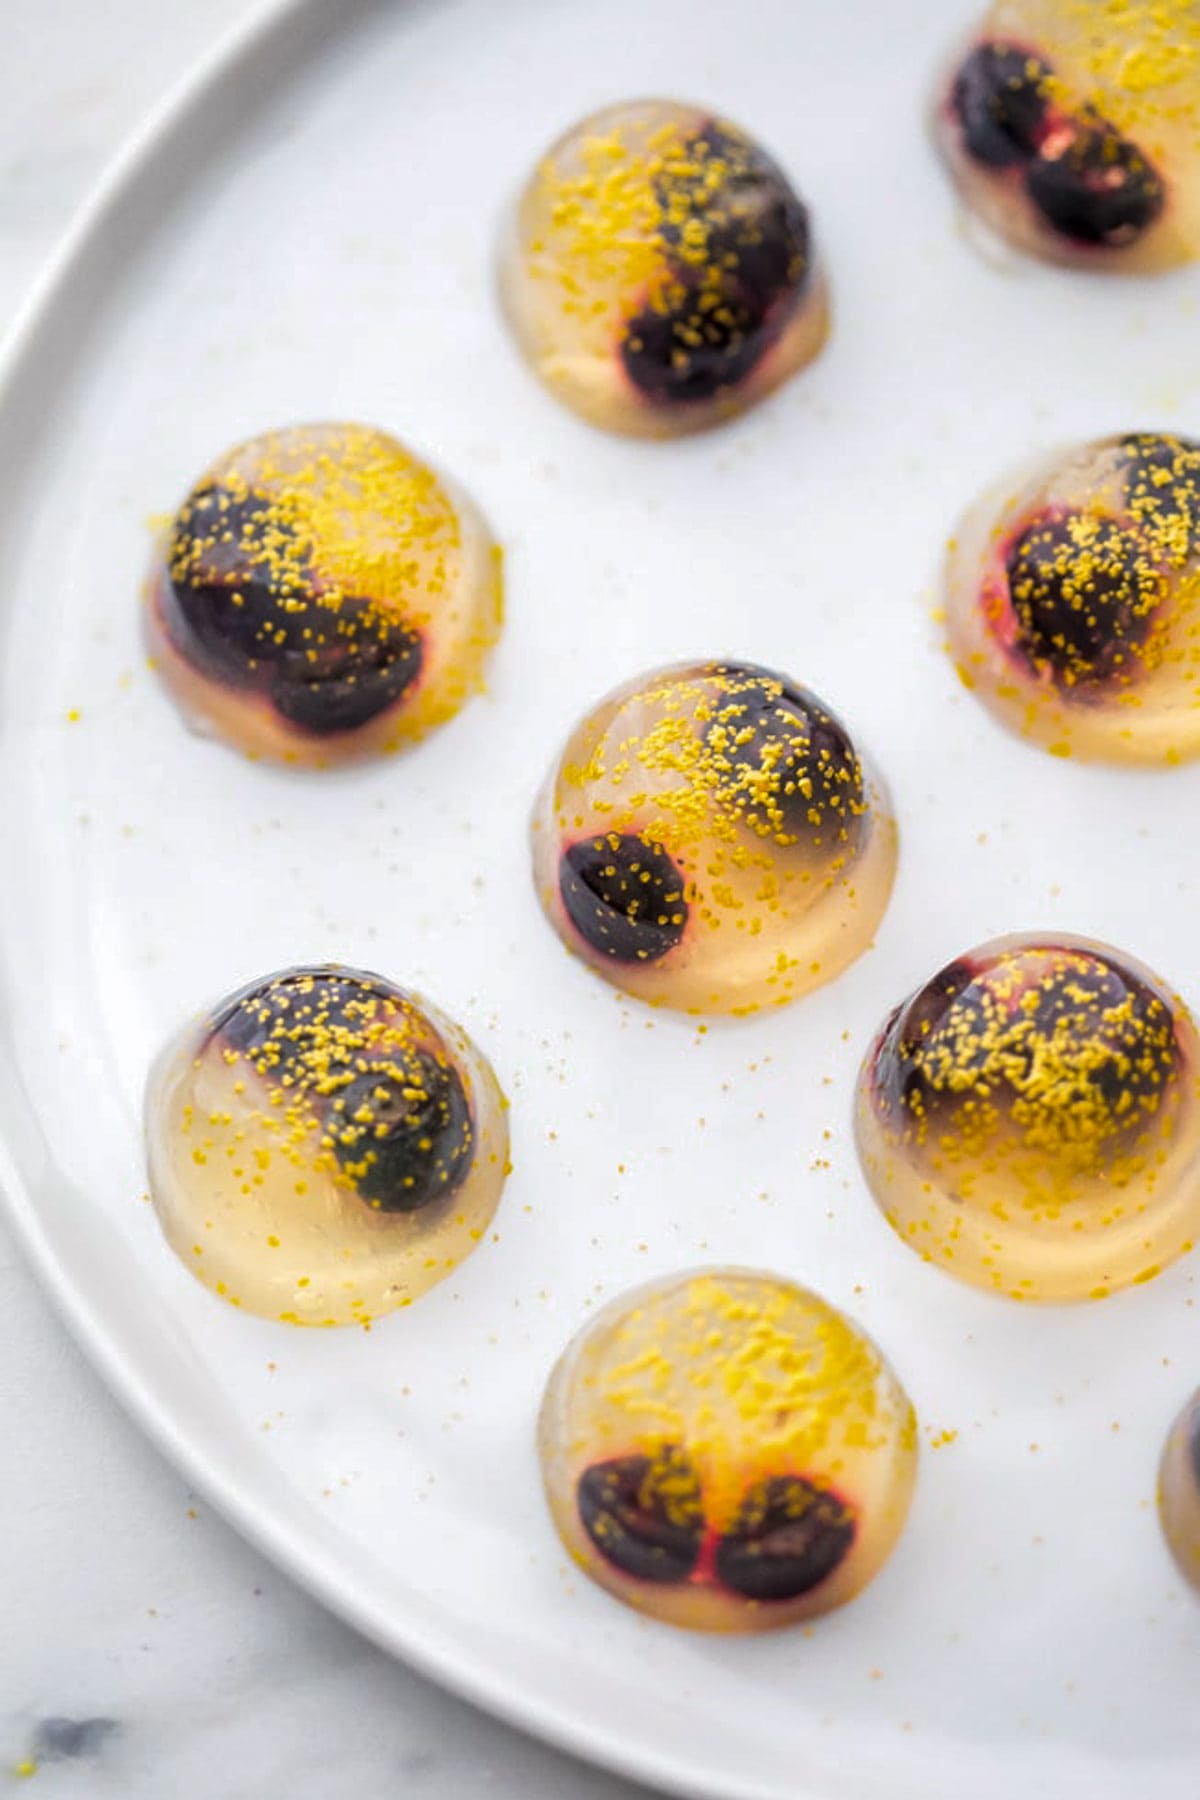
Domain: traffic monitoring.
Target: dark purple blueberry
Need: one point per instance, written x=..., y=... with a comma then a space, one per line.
x=952, y=1045
x=644, y=1515
x=1084, y=1039
x=1084, y=589
x=738, y=252
x=400, y=1126
x=790, y=1536
x=624, y=896
x=784, y=760
x=1162, y=482
x=756, y=227
x=351, y=678
x=273, y=1024
x=232, y=599
x=1110, y=1032
x=925, y=1011
x=402, y=1132
x=217, y=632
x=1094, y=186
x=239, y=601
x=910, y=1050
x=999, y=99
x=705, y=343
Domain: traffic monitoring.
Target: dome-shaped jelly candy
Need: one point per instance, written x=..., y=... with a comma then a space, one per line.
x=1073, y=600
x=322, y=595
x=1179, y=1490
x=659, y=270
x=1030, y=1120
x=711, y=839
x=323, y=1147
x=1077, y=137
x=725, y=1451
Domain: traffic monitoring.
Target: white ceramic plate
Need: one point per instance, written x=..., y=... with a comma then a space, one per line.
x=305, y=233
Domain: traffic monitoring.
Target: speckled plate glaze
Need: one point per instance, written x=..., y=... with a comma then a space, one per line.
x=303, y=233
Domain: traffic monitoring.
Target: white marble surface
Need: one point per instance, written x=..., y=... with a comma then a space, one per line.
x=126, y=1602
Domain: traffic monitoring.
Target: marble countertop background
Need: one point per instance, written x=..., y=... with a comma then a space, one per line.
x=145, y=1651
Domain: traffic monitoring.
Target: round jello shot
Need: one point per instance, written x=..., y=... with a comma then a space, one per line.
x=324, y=1147
x=1179, y=1490
x=1073, y=600
x=723, y=1450
x=711, y=839
x=322, y=595
x=1029, y=1120
x=1074, y=131
x=659, y=271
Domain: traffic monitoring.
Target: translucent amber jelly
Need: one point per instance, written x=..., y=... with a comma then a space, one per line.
x=324, y=1147
x=1073, y=600
x=1179, y=1490
x=1030, y=1120
x=723, y=1450
x=712, y=840
x=1073, y=130
x=322, y=596
x=659, y=272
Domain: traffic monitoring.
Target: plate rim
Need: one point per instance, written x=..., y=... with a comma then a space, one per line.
x=315, y=1570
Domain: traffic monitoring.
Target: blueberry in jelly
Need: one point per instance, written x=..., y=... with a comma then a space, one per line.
x=1094, y=186
x=789, y=1537
x=624, y=896
x=1082, y=1038
x=323, y=595
x=1030, y=1120
x=1072, y=599
x=1071, y=129
x=401, y=1128
x=739, y=257
x=660, y=274
x=293, y=1016
x=705, y=344
x=999, y=97
x=759, y=227
x=323, y=1146
x=711, y=839
x=724, y=1450
x=1163, y=487
x=231, y=585
x=343, y=685
x=242, y=589
x=402, y=1133
x=928, y=1007
x=1113, y=1032
x=1084, y=591
x=725, y=202
x=644, y=1514
x=788, y=762
x=912, y=1037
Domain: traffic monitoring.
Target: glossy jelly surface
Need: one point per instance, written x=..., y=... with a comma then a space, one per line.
x=725, y=1451
x=659, y=271
x=322, y=595
x=1179, y=1490
x=1073, y=129
x=1029, y=1120
x=712, y=840
x=324, y=1147
x=1073, y=600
